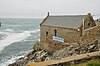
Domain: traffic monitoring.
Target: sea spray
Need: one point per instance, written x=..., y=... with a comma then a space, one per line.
x=13, y=58
x=15, y=38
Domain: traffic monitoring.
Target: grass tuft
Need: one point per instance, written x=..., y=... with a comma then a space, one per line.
x=93, y=62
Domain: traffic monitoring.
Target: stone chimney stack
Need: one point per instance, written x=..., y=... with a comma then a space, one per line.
x=48, y=13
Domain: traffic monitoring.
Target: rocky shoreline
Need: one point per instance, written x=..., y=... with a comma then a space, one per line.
x=38, y=55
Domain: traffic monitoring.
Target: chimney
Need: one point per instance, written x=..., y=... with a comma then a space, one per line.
x=48, y=13
x=89, y=14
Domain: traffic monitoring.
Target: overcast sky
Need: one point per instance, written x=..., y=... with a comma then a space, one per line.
x=39, y=8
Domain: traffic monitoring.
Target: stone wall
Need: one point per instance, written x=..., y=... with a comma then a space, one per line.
x=89, y=21
x=90, y=35
x=47, y=42
x=69, y=35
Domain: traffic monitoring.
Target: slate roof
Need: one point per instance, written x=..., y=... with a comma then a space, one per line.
x=69, y=21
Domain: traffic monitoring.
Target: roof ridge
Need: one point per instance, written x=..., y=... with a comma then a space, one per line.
x=65, y=15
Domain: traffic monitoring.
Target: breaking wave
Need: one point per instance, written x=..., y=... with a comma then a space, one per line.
x=13, y=58
x=15, y=37
x=9, y=30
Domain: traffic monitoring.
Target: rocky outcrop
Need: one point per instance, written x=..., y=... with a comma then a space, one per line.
x=39, y=55
x=75, y=49
x=23, y=60
x=37, y=46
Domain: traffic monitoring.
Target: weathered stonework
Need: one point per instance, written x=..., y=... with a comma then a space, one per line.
x=86, y=32
x=88, y=21
x=90, y=35
x=69, y=35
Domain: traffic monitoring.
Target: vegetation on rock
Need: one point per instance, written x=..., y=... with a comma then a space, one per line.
x=93, y=62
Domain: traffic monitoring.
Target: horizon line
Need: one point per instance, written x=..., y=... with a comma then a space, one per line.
x=23, y=17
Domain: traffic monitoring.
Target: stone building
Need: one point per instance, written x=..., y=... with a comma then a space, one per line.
x=64, y=28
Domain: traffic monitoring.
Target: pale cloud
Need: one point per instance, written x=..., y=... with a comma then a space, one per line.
x=39, y=8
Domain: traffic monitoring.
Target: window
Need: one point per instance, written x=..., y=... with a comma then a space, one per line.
x=88, y=24
x=46, y=34
x=55, y=32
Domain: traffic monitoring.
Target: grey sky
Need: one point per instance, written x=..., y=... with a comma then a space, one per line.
x=39, y=8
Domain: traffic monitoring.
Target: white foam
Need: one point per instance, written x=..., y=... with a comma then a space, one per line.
x=10, y=61
x=13, y=38
x=9, y=30
x=37, y=30
x=4, y=33
x=17, y=37
x=14, y=58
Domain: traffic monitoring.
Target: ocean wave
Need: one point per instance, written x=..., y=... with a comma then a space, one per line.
x=28, y=40
x=6, y=31
x=15, y=37
x=34, y=31
x=13, y=58
x=10, y=61
x=9, y=30
x=11, y=25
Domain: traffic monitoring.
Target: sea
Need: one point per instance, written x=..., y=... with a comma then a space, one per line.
x=17, y=38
